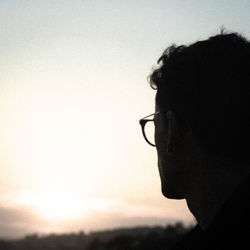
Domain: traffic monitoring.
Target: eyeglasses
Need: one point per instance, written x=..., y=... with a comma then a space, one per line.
x=147, y=126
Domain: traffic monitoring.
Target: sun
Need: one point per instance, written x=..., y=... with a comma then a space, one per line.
x=58, y=207
x=54, y=206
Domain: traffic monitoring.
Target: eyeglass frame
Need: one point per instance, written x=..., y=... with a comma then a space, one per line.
x=185, y=126
x=143, y=122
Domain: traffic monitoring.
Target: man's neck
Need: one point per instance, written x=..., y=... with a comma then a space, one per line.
x=211, y=189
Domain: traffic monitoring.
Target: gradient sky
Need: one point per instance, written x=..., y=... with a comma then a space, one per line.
x=72, y=89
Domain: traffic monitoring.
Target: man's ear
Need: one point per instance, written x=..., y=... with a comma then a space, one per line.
x=177, y=130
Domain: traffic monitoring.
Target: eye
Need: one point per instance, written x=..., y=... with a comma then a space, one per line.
x=170, y=115
x=176, y=122
x=161, y=121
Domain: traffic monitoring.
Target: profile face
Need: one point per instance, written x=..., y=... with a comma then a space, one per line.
x=171, y=165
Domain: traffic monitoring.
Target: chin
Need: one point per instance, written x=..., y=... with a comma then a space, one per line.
x=171, y=193
x=171, y=185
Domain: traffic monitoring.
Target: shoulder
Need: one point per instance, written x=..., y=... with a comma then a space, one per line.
x=230, y=229
x=193, y=240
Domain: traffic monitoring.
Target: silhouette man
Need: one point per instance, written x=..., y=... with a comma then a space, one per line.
x=202, y=137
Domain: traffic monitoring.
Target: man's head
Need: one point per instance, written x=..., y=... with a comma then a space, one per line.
x=206, y=87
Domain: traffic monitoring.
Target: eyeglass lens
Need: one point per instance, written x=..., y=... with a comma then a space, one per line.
x=149, y=130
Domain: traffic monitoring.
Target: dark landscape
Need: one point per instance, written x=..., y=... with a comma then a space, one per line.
x=143, y=238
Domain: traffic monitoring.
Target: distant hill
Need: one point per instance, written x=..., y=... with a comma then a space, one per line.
x=143, y=238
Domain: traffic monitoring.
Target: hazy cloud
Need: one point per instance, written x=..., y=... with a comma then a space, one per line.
x=19, y=221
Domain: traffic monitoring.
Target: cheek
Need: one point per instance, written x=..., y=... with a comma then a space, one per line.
x=161, y=147
x=162, y=166
x=161, y=135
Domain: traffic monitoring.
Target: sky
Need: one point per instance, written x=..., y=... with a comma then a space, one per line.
x=73, y=86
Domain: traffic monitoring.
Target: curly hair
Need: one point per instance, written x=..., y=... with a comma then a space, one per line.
x=208, y=84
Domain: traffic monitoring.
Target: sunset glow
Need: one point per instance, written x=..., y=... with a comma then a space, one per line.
x=73, y=86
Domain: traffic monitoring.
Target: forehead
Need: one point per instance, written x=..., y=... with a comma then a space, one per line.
x=161, y=102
